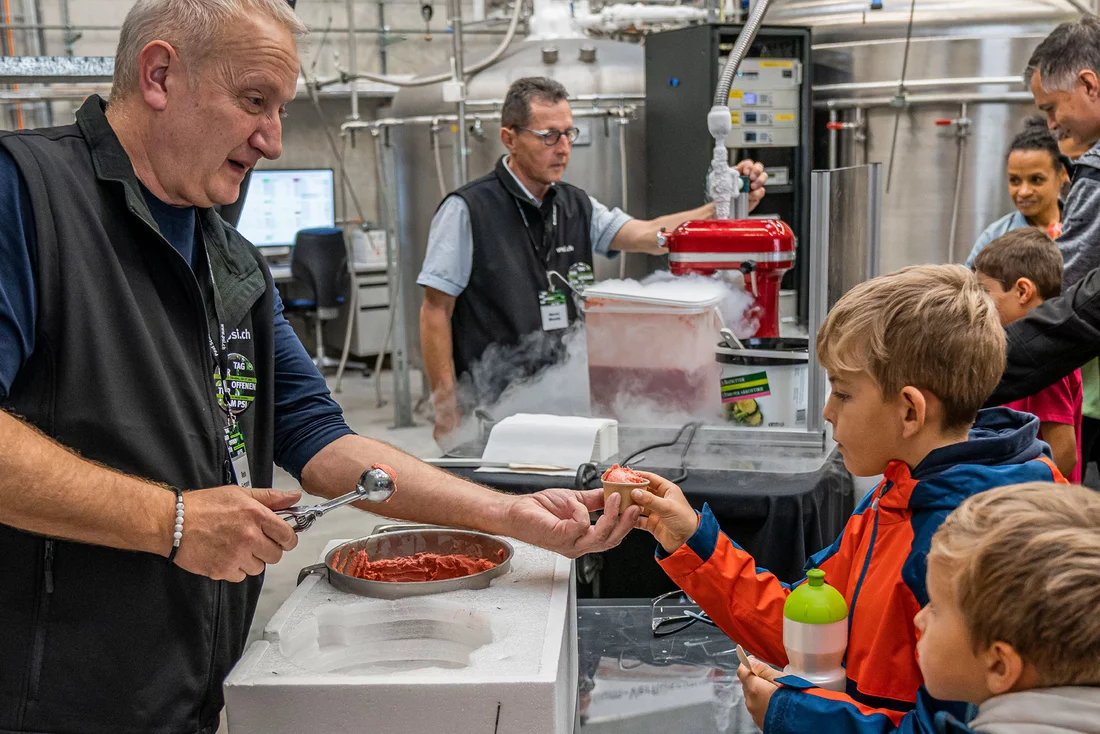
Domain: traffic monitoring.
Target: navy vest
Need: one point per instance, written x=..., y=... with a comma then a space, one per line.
x=100, y=640
x=516, y=244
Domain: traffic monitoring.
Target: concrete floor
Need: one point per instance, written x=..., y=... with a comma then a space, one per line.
x=362, y=413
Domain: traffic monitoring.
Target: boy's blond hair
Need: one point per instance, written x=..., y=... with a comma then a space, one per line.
x=929, y=326
x=1025, y=561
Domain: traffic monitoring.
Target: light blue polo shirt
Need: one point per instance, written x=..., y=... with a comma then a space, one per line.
x=450, y=256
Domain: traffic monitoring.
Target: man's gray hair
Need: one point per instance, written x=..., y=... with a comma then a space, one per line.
x=1068, y=50
x=194, y=27
x=516, y=111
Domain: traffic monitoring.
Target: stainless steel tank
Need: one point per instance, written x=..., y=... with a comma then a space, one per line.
x=616, y=69
x=953, y=41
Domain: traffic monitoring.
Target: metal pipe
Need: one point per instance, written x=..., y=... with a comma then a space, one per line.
x=962, y=131
x=69, y=36
x=372, y=31
x=383, y=39
x=442, y=77
x=627, y=111
x=457, y=66
x=740, y=50
x=626, y=97
x=861, y=135
x=353, y=296
x=874, y=219
x=833, y=137
x=819, y=294
x=623, y=122
x=967, y=81
x=923, y=99
x=438, y=162
x=399, y=362
x=353, y=63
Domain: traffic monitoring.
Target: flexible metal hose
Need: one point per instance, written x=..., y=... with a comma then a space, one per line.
x=740, y=50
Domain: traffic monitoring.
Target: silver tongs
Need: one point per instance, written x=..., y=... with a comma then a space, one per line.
x=376, y=484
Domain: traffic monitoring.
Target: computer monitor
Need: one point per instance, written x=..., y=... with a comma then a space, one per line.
x=281, y=202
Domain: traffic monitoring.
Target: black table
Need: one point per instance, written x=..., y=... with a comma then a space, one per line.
x=633, y=683
x=781, y=518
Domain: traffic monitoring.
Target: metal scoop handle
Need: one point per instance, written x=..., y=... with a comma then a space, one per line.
x=376, y=484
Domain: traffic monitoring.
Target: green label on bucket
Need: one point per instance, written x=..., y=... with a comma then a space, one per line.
x=745, y=387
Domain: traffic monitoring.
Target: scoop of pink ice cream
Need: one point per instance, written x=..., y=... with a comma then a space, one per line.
x=623, y=475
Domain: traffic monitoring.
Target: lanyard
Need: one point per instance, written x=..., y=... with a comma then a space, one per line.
x=220, y=351
x=549, y=229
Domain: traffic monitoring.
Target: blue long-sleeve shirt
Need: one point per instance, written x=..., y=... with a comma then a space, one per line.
x=306, y=417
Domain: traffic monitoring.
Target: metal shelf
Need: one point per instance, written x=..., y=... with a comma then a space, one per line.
x=49, y=69
x=63, y=73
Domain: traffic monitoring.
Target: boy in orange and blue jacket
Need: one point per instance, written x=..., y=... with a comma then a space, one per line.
x=911, y=357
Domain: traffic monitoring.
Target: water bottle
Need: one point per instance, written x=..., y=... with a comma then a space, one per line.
x=815, y=632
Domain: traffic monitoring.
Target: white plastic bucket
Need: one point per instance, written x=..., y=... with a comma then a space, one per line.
x=765, y=385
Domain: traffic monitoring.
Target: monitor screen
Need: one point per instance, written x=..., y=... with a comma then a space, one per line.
x=279, y=203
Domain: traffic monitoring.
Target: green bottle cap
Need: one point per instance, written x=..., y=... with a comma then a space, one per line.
x=815, y=602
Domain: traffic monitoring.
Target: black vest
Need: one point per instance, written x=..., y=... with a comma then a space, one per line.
x=516, y=244
x=99, y=640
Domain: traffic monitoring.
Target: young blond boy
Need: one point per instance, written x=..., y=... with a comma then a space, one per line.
x=911, y=356
x=1020, y=270
x=1012, y=622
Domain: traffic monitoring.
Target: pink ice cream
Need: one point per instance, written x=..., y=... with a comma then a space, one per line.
x=623, y=475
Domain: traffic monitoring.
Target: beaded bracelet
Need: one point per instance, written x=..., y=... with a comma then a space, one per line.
x=177, y=531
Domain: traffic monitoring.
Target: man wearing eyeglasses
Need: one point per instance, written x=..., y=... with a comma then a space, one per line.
x=496, y=244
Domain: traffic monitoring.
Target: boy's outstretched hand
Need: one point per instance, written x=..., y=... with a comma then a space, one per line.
x=665, y=512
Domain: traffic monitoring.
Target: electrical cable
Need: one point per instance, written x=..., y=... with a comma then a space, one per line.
x=688, y=428
x=588, y=473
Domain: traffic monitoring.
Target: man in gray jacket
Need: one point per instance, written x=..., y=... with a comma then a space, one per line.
x=1064, y=76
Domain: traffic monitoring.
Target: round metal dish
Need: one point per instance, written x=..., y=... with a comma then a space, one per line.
x=400, y=541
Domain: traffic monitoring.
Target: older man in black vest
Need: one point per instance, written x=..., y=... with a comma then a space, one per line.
x=135, y=518
x=494, y=242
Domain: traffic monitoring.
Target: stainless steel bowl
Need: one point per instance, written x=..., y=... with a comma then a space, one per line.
x=398, y=541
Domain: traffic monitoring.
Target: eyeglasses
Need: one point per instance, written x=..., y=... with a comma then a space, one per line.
x=689, y=614
x=551, y=137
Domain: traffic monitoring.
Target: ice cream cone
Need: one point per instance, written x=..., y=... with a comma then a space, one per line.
x=623, y=489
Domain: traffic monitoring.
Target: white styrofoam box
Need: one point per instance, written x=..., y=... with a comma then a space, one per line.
x=502, y=659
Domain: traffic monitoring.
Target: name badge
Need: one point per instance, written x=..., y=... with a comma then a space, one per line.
x=555, y=313
x=238, y=454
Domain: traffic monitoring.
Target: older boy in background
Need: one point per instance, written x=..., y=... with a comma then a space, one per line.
x=1020, y=270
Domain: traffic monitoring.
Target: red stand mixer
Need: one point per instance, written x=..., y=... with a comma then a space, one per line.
x=761, y=249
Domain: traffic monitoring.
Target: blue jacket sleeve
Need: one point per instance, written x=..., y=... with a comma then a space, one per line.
x=18, y=246
x=797, y=707
x=306, y=417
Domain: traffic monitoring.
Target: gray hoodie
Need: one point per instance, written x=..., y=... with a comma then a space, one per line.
x=1064, y=710
x=1080, y=239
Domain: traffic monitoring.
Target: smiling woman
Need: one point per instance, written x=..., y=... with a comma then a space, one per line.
x=1036, y=176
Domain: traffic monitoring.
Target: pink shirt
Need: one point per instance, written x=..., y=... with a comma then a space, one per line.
x=1058, y=403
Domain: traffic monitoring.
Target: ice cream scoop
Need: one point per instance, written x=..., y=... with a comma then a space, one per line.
x=622, y=480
